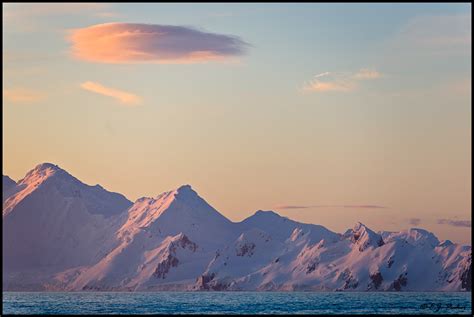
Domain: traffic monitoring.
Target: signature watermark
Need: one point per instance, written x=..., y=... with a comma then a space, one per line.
x=438, y=306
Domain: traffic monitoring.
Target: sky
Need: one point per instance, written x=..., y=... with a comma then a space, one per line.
x=326, y=113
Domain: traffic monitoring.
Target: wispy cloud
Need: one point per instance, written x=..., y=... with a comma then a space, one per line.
x=322, y=74
x=414, y=221
x=339, y=81
x=22, y=95
x=455, y=223
x=329, y=206
x=367, y=73
x=152, y=43
x=123, y=97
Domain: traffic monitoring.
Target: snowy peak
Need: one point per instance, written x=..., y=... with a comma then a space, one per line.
x=41, y=172
x=266, y=214
x=183, y=199
x=365, y=238
x=185, y=191
x=83, y=237
x=180, y=210
x=46, y=166
x=53, y=183
x=413, y=236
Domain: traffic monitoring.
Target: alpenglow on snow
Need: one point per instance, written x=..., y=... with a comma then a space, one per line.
x=85, y=238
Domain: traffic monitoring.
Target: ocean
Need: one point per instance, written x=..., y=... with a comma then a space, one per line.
x=236, y=303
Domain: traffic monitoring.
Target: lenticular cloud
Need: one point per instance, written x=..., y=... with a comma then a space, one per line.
x=152, y=43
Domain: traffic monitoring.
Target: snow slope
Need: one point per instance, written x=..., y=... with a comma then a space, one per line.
x=53, y=222
x=179, y=217
x=8, y=184
x=60, y=234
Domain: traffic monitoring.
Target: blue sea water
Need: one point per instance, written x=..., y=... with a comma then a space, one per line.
x=236, y=303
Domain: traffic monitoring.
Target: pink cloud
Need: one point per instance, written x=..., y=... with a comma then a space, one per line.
x=321, y=86
x=123, y=97
x=152, y=43
x=340, y=82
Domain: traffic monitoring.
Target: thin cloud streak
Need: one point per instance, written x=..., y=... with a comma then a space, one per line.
x=329, y=206
x=455, y=223
x=123, y=97
x=414, y=221
x=340, y=82
x=366, y=73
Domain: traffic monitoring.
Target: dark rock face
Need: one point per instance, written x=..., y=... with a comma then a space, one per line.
x=377, y=280
x=184, y=242
x=390, y=262
x=311, y=267
x=355, y=237
x=207, y=282
x=202, y=282
x=402, y=280
x=246, y=249
x=349, y=280
x=171, y=260
x=163, y=267
x=466, y=279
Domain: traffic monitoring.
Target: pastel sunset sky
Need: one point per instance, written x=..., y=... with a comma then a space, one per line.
x=325, y=113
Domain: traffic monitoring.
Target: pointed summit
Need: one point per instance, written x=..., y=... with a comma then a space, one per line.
x=185, y=188
x=58, y=183
x=414, y=236
x=185, y=192
x=180, y=210
x=266, y=214
x=41, y=172
x=364, y=237
x=45, y=166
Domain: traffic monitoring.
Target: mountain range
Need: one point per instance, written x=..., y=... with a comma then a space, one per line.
x=60, y=234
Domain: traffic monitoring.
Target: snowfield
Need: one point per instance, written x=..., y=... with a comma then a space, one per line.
x=62, y=235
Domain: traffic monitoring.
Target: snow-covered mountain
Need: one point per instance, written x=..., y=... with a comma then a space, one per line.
x=52, y=222
x=61, y=234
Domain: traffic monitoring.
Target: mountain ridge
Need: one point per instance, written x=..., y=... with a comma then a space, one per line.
x=84, y=238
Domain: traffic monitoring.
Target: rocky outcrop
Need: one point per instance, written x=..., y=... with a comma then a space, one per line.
x=245, y=249
x=180, y=241
x=208, y=282
x=376, y=281
x=466, y=279
x=350, y=282
x=163, y=267
x=183, y=242
x=401, y=281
